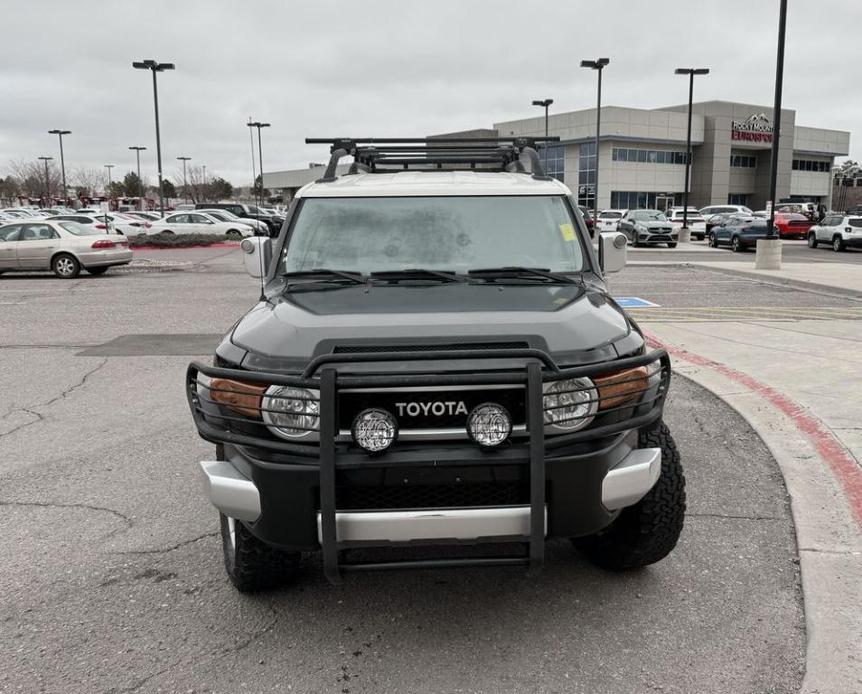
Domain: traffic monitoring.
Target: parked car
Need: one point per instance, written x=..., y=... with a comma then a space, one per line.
x=696, y=223
x=243, y=211
x=791, y=225
x=809, y=209
x=61, y=246
x=738, y=232
x=100, y=223
x=724, y=217
x=588, y=219
x=146, y=216
x=361, y=400
x=260, y=228
x=609, y=220
x=648, y=227
x=839, y=231
x=707, y=212
x=197, y=223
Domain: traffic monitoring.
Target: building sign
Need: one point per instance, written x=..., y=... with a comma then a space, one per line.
x=756, y=128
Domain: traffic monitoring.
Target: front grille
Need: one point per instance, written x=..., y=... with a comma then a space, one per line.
x=427, y=347
x=508, y=493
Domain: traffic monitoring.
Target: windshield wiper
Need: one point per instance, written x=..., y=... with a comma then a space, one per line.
x=417, y=273
x=326, y=275
x=517, y=272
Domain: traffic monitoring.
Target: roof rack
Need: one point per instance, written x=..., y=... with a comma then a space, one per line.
x=390, y=154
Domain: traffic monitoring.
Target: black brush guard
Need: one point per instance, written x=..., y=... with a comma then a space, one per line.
x=322, y=374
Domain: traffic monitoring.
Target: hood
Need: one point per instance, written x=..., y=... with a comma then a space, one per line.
x=656, y=226
x=560, y=318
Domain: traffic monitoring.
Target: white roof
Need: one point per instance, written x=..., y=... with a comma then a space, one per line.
x=416, y=183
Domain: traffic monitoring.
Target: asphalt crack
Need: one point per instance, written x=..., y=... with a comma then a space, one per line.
x=88, y=507
x=39, y=417
x=165, y=550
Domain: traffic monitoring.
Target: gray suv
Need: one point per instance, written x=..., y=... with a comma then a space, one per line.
x=435, y=360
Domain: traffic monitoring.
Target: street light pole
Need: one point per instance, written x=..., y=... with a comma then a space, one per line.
x=185, y=185
x=691, y=72
x=156, y=67
x=776, y=117
x=544, y=103
x=47, y=180
x=138, y=151
x=259, y=125
x=60, y=134
x=597, y=65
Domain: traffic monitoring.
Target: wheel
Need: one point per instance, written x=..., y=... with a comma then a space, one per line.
x=837, y=244
x=166, y=232
x=713, y=241
x=672, y=244
x=646, y=532
x=97, y=270
x=251, y=564
x=233, y=234
x=66, y=266
x=736, y=245
x=699, y=237
x=812, y=240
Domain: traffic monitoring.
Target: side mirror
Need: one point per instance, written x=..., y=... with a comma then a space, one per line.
x=257, y=255
x=612, y=251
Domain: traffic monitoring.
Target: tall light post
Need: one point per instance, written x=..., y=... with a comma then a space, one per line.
x=156, y=67
x=108, y=189
x=60, y=134
x=691, y=72
x=544, y=103
x=138, y=151
x=598, y=65
x=47, y=180
x=185, y=184
x=259, y=125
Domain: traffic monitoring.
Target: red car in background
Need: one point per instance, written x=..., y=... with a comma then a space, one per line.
x=791, y=225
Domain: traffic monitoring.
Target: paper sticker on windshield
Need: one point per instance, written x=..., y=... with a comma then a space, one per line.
x=568, y=232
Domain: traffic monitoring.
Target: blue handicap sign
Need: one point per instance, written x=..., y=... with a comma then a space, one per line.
x=633, y=302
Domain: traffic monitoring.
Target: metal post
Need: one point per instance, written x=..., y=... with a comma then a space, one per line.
x=47, y=181
x=776, y=117
x=60, y=134
x=108, y=188
x=598, y=133
x=260, y=163
x=185, y=183
x=158, y=146
x=687, y=151
x=251, y=142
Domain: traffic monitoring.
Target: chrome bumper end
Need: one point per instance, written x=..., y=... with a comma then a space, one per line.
x=632, y=478
x=230, y=492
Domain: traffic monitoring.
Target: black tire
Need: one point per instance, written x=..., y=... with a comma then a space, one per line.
x=251, y=564
x=713, y=240
x=97, y=270
x=812, y=240
x=166, y=232
x=648, y=531
x=837, y=244
x=672, y=244
x=699, y=237
x=736, y=245
x=65, y=266
x=233, y=234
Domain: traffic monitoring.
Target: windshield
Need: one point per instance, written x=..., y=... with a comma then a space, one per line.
x=610, y=215
x=78, y=229
x=654, y=215
x=437, y=233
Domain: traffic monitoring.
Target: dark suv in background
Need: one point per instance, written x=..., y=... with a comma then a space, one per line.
x=274, y=222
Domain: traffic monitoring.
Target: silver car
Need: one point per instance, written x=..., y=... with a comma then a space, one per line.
x=63, y=247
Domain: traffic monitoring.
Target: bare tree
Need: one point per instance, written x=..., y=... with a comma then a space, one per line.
x=30, y=175
x=87, y=181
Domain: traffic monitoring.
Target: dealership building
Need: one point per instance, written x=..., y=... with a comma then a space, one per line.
x=641, y=156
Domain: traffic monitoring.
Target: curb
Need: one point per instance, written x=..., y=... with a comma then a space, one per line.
x=220, y=244
x=826, y=506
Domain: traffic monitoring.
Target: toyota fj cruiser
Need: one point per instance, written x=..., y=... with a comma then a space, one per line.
x=435, y=360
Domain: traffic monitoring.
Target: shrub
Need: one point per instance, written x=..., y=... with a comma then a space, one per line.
x=175, y=240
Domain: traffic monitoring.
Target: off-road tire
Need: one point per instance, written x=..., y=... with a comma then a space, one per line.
x=97, y=270
x=65, y=266
x=646, y=532
x=253, y=565
x=812, y=240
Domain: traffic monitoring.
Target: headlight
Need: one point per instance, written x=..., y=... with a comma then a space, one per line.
x=570, y=404
x=291, y=412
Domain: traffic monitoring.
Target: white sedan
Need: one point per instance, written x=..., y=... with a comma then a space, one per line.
x=197, y=223
x=226, y=216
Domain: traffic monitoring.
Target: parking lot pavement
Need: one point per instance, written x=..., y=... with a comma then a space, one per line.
x=793, y=252
x=113, y=579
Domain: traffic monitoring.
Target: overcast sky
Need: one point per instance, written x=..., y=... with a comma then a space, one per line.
x=387, y=68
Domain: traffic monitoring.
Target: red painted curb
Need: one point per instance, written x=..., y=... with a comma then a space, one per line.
x=220, y=244
x=844, y=466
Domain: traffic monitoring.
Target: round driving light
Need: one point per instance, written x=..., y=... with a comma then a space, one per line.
x=571, y=404
x=489, y=424
x=247, y=245
x=291, y=412
x=374, y=430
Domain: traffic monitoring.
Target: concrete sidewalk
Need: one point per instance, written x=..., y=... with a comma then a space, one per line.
x=799, y=383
